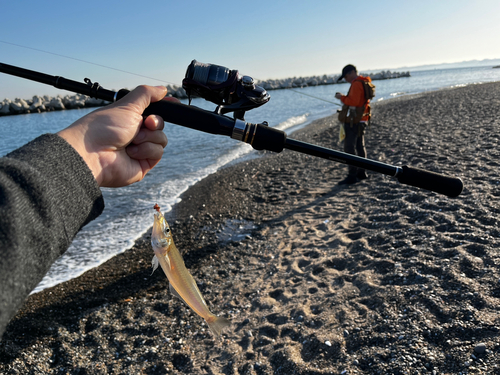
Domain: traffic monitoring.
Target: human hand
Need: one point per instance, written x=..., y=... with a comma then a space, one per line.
x=338, y=95
x=116, y=142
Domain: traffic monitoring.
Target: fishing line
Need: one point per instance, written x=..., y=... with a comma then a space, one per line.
x=87, y=62
x=315, y=97
x=135, y=74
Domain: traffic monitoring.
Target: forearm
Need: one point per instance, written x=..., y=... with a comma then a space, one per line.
x=356, y=96
x=47, y=194
x=350, y=100
x=347, y=100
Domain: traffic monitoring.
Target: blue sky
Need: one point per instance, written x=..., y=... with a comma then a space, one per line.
x=263, y=39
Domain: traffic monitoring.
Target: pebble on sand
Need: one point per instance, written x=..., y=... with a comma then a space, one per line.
x=480, y=348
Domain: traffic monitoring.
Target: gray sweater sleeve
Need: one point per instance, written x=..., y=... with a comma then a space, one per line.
x=47, y=194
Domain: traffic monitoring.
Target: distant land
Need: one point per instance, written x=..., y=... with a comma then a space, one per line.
x=462, y=64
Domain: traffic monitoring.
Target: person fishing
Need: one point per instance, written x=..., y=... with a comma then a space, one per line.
x=355, y=116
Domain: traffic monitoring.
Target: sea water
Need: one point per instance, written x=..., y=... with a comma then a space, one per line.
x=192, y=155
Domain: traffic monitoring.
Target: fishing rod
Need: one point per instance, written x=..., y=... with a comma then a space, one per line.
x=234, y=93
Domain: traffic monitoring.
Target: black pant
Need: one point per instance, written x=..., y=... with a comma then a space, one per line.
x=354, y=143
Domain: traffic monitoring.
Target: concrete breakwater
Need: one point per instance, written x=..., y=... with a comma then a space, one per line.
x=45, y=103
x=296, y=82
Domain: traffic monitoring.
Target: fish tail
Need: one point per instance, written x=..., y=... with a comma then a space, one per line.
x=217, y=324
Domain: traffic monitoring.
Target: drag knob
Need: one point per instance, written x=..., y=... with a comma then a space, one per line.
x=247, y=82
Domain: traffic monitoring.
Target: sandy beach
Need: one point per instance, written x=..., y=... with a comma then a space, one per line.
x=316, y=278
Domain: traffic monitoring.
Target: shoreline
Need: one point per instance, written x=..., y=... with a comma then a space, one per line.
x=376, y=277
x=170, y=215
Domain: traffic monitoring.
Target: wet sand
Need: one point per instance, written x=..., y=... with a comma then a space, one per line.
x=372, y=278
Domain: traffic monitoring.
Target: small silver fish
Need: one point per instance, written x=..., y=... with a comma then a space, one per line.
x=182, y=283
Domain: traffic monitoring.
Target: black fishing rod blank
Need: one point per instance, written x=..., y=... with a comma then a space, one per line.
x=88, y=88
x=233, y=93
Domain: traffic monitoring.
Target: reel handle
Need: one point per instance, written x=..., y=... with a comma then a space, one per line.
x=450, y=186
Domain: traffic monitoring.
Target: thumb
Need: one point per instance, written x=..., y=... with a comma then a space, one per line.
x=142, y=96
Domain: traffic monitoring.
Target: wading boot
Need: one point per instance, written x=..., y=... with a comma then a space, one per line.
x=362, y=176
x=349, y=180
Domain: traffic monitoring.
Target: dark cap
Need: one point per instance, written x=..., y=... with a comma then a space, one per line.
x=347, y=69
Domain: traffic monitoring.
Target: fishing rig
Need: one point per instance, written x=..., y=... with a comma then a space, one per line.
x=232, y=92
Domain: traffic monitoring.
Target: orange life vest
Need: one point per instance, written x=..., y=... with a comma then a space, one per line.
x=356, y=97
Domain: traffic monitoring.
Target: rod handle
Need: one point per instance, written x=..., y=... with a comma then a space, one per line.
x=450, y=186
x=188, y=116
x=263, y=137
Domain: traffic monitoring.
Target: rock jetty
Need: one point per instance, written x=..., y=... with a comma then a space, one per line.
x=295, y=82
x=46, y=103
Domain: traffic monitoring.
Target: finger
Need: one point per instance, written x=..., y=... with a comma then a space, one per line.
x=146, y=150
x=146, y=165
x=146, y=135
x=171, y=99
x=154, y=122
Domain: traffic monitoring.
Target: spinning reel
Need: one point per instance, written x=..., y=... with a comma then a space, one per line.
x=226, y=88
